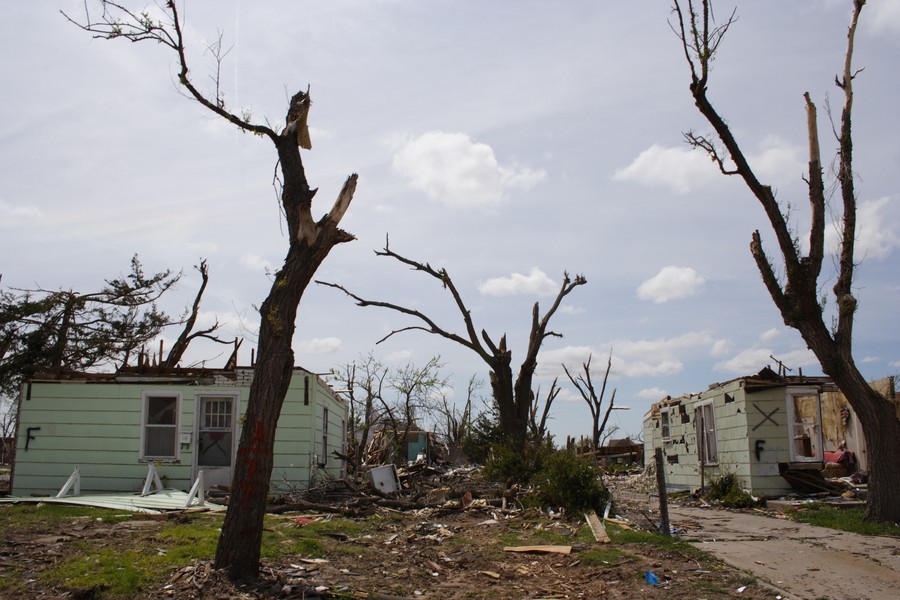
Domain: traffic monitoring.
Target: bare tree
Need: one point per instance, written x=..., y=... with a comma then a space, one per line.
x=363, y=382
x=418, y=391
x=538, y=427
x=513, y=398
x=585, y=386
x=797, y=294
x=188, y=334
x=309, y=241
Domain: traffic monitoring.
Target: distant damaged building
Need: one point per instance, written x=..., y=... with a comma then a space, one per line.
x=767, y=429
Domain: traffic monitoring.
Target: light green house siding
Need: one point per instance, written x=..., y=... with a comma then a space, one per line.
x=97, y=425
x=749, y=415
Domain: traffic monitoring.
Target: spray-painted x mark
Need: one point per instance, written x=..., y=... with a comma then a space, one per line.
x=766, y=417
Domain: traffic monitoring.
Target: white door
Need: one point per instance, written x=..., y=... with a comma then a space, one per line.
x=215, y=438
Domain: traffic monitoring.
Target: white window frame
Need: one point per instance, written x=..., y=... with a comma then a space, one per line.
x=790, y=394
x=145, y=404
x=703, y=436
x=665, y=423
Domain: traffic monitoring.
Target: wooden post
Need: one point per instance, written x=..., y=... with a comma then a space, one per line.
x=663, y=499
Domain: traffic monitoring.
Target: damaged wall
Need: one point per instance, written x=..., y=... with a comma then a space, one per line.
x=100, y=426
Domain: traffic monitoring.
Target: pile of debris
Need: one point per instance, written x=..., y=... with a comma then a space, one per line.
x=407, y=488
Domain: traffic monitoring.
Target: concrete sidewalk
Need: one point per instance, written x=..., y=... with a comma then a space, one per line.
x=806, y=562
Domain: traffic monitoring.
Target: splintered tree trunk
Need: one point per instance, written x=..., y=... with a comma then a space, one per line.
x=238, y=550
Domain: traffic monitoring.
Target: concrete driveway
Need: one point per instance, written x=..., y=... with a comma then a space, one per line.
x=804, y=561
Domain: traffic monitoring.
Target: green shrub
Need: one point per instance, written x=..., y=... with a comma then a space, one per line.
x=509, y=465
x=727, y=490
x=569, y=482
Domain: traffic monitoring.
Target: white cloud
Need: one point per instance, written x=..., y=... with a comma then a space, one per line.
x=894, y=364
x=869, y=359
x=883, y=17
x=644, y=369
x=876, y=231
x=777, y=161
x=684, y=170
x=568, y=309
x=399, y=357
x=641, y=358
x=453, y=169
x=753, y=360
x=255, y=262
x=671, y=283
x=681, y=169
x=535, y=283
x=720, y=348
x=662, y=348
x=12, y=215
x=329, y=345
x=652, y=393
x=769, y=335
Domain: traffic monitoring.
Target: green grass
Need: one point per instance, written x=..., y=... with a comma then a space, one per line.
x=844, y=519
x=26, y=517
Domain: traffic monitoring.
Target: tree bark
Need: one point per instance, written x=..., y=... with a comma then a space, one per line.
x=239, y=546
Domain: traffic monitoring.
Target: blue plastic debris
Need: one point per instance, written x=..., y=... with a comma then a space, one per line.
x=652, y=579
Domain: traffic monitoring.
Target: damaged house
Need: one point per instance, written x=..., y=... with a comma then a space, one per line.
x=114, y=425
x=767, y=429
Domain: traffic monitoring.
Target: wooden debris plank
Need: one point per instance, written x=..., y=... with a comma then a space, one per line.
x=597, y=527
x=540, y=549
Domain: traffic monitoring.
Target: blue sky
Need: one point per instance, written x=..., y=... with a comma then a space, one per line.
x=508, y=142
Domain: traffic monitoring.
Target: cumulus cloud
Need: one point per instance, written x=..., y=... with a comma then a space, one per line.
x=683, y=169
x=883, y=18
x=778, y=161
x=640, y=368
x=769, y=335
x=652, y=393
x=535, y=283
x=720, y=348
x=877, y=232
x=680, y=169
x=328, y=345
x=453, y=169
x=671, y=283
x=895, y=364
x=631, y=358
x=868, y=359
x=753, y=360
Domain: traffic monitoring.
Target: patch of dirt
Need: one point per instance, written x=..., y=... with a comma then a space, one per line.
x=429, y=553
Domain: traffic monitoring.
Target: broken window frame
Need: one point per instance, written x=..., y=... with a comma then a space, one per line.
x=149, y=427
x=794, y=428
x=323, y=458
x=707, y=441
x=665, y=424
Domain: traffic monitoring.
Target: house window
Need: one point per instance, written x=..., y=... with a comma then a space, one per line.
x=323, y=458
x=159, y=426
x=705, y=423
x=805, y=413
x=664, y=424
